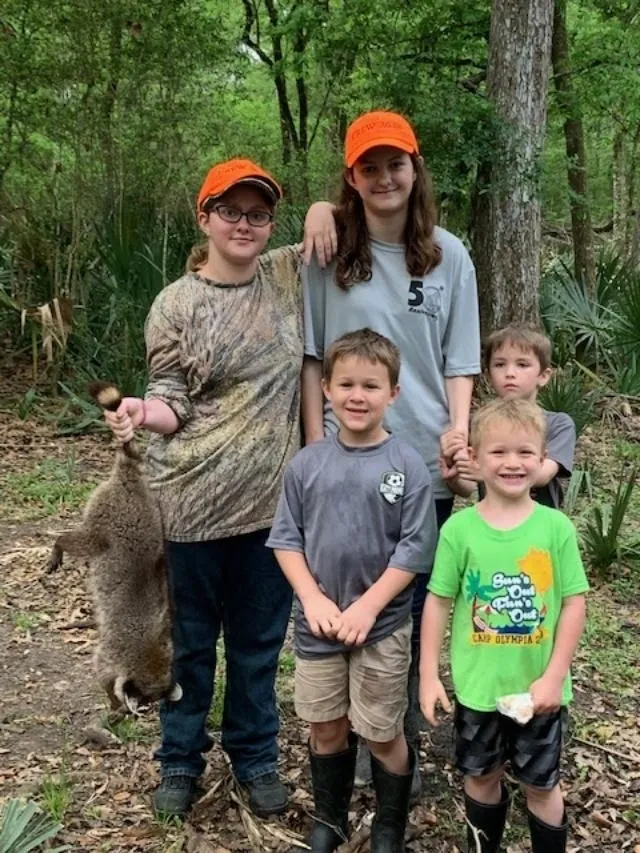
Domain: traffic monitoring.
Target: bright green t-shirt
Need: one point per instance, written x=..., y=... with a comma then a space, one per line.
x=508, y=587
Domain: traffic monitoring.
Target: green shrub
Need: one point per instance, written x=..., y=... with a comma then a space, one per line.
x=601, y=534
x=568, y=391
x=23, y=827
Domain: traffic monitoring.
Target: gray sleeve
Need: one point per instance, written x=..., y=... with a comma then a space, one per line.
x=314, y=301
x=561, y=441
x=461, y=343
x=286, y=530
x=419, y=533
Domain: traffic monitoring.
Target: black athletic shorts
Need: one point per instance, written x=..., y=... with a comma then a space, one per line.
x=485, y=740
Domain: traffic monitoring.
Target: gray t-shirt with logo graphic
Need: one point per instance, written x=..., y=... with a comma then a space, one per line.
x=432, y=319
x=353, y=512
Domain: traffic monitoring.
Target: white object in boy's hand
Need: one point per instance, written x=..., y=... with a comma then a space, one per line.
x=518, y=706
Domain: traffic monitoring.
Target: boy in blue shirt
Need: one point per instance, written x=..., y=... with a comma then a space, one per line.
x=354, y=525
x=512, y=570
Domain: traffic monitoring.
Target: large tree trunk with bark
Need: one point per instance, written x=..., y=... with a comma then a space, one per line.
x=506, y=227
x=583, y=257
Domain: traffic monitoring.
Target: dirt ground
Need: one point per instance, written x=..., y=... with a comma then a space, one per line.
x=56, y=749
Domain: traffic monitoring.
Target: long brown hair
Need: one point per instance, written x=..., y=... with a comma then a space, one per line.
x=354, y=253
x=198, y=257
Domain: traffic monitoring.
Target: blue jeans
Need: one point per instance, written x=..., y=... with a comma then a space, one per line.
x=236, y=584
x=444, y=506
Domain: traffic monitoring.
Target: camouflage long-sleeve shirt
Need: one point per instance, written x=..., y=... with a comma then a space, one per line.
x=227, y=360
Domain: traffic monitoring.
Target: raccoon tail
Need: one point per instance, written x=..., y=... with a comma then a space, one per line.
x=108, y=397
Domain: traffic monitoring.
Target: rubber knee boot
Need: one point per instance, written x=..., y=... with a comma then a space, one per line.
x=414, y=721
x=392, y=811
x=546, y=838
x=332, y=781
x=488, y=821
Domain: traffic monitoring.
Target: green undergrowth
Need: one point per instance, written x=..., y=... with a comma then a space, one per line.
x=46, y=489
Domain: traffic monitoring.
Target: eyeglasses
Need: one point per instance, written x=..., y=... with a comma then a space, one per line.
x=257, y=218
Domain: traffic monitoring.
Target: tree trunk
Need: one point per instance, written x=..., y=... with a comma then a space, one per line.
x=506, y=227
x=583, y=256
x=632, y=231
x=619, y=175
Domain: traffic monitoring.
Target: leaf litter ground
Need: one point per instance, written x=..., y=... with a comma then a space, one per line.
x=58, y=746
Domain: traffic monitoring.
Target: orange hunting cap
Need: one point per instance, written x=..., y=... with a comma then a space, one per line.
x=378, y=128
x=225, y=175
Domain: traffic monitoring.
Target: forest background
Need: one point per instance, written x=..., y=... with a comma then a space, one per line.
x=111, y=113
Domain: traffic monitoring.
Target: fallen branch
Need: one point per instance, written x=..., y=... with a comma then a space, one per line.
x=72, y=626
x=356, y=842
x=477, y=833
x=252, y=832
x=630, y=759
x=205, y=799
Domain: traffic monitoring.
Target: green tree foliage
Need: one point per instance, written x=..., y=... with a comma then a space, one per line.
x=111, y=113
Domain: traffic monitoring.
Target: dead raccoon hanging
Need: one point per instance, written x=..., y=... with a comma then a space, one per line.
x=121, y=537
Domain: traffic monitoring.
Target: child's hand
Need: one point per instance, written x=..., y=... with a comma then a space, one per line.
x=546, y=694
x=467, y=469
x=432, y=692
x=322, y=614
x=452, y=441
x=448, y=470
x=355, y=623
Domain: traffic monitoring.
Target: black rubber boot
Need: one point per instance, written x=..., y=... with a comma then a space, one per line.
x=488, y=822
x=332, y=780
x=414, y=722
x=546, y=838
x=392, y=795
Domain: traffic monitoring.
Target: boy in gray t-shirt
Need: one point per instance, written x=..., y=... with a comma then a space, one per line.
x=354, y=525
x=518, y=363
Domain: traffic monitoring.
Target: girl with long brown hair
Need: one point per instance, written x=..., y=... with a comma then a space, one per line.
x=402, y=275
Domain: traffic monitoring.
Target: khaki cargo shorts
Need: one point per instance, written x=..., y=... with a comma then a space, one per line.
x=367, y=684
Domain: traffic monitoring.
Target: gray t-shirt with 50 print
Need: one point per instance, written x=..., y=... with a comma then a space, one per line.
x=432, y=319
x=353, y=512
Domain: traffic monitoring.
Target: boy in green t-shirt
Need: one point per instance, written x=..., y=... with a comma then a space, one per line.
x=512, y=569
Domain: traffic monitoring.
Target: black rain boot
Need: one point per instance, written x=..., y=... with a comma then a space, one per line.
x=414, y=722
x=488, y=821
x=546, y=838
x=332, y=781
x=392, y=811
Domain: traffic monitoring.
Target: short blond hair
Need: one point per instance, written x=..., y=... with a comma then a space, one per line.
x=367, y=344
x=526, y=337
x=511, y=413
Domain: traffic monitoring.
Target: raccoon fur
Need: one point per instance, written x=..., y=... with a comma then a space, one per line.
x=121, y=537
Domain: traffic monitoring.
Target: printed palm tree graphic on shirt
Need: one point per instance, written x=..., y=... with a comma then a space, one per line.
x=508, y=605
